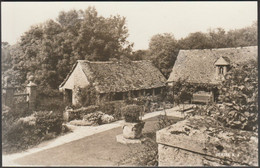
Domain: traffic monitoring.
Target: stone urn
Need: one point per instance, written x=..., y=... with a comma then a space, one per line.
x=133, y=130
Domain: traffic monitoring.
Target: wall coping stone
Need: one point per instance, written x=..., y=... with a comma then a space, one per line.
x=206, y=136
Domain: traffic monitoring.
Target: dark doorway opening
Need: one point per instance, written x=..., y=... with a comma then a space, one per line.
x=68, y=96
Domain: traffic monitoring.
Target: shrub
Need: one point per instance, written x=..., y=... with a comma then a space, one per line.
x=107, y=119
x=77, y=114
x=28, y=131
x=46, y=103
x=95, y=117
x=98, y=118
x=19, y=136
x=112, y=108
x=239, y=94
x=132, y=113
x=48, y=121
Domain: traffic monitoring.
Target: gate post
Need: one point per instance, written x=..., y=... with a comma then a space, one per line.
x=9, y=93
x=31, y=91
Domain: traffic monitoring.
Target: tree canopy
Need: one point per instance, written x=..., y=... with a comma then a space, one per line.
x=164, y=48
x=48, y=50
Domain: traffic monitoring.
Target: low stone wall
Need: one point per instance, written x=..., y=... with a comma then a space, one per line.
x=203, y=141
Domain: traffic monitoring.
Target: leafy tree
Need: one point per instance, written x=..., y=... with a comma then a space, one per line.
x=243, y=37
x=218, y=38
x=163, y=49
x=197, y=40
x=140, y=55
x=49, y=50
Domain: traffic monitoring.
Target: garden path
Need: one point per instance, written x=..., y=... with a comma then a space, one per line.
x=86, y=145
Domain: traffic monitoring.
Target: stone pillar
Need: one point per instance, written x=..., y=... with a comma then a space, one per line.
x=153, y=92
x=9, y=96
x=31, y=98
x=217, y=70
x=225, y=70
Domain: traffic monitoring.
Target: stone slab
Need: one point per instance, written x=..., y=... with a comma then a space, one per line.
x=206, y=136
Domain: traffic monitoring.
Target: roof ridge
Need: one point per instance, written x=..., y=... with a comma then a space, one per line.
x=105, y=62
x=217, y=48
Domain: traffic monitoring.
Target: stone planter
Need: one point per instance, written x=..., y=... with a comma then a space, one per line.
x=133, y=130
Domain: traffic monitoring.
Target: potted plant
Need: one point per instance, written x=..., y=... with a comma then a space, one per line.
x=133, y=125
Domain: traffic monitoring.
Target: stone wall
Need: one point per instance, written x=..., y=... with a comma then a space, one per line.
x=203, y=141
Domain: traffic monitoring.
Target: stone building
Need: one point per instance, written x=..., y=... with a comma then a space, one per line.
x=113, y=80
x=208, y=66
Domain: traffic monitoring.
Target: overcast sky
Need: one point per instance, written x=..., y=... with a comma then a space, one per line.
x=144, y=19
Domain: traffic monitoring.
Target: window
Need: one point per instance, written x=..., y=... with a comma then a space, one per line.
x=221, y=70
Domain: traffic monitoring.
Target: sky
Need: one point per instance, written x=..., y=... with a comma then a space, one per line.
x=144, y=19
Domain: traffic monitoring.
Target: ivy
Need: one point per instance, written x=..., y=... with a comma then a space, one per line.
x=239, y=94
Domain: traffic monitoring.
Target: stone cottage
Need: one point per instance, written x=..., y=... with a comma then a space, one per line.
x=113, y=80
x=208, y=66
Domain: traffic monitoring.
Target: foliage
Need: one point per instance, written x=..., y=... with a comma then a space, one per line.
x=98, y=118
x=140, y=55
x=239, y=93
x=165, y=121
x=48, y=121
x=78, y=113
x=95, y=117
x=184, y=90
x=145, y=155
x=112, y=108
x=132, y=113
x=163, y=50
x=49, y=50
x=20, y=134
x=150, y=103
x=87, y=96
x=48, y=103
x=197, y=40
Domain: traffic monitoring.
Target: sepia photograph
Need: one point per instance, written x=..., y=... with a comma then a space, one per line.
x=128, y=83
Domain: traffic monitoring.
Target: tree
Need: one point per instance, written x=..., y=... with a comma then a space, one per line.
x=163, y=49
x=140, y=55
x=243, y=37
x=218, y=38
x=197, y=40
x=49, y=50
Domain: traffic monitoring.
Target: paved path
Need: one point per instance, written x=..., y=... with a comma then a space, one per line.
x=92, y=146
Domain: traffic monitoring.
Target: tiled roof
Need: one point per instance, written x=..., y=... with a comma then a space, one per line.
x=198, y=66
